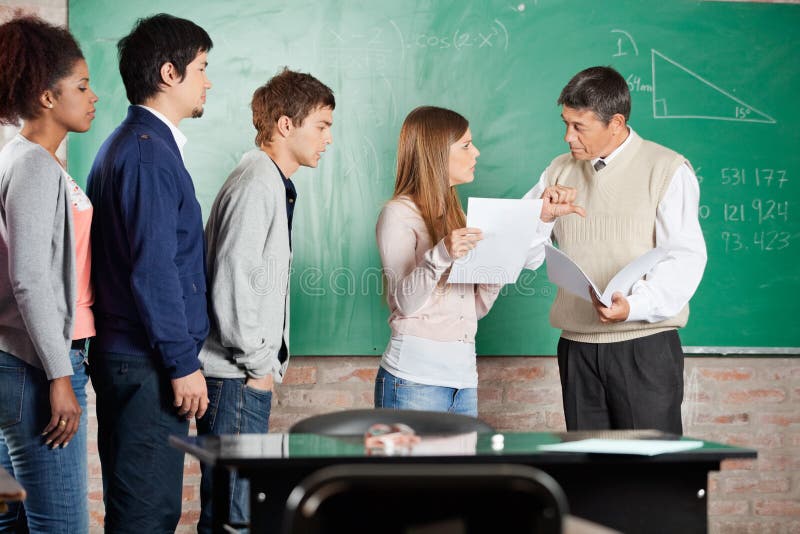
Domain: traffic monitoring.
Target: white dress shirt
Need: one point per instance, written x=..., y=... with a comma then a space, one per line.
x=180, y=139
x=668, y=287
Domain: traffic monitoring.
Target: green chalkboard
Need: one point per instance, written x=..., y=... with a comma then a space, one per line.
x=715, y=81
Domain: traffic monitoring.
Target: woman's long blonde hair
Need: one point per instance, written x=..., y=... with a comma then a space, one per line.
x=423, y=170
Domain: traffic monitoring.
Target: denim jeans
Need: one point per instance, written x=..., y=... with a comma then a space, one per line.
x=142, y=473
x=395, y=392
x=233, y=408
x=55, y=479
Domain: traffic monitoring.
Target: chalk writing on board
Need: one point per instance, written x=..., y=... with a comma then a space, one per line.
x=771, y=240
x=761, y=221
x=734, y=212
x=400, y=37
x=770, y=210
x=358, y=53
x=676, y=91
x=635, y=84
x=761, y=241
x=761, y=178
x=376, y=103
x=759, y=211
x=699, y=174
x=493, y=35
x=624, y=43
x=374, y=50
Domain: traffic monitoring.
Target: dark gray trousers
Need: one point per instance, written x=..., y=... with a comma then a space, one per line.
x=636, y=384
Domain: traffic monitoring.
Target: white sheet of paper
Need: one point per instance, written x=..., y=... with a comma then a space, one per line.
x=508, y=226
x=456, y=444
x=642, y=447
x=566, y=274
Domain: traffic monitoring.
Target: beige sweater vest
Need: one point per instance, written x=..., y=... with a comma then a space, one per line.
x=621, y=203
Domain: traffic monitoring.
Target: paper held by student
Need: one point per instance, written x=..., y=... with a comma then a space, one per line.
x=509, y=228
x=566, y=274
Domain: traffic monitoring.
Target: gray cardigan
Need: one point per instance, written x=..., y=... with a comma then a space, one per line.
x=37, y=260
x=248, y=261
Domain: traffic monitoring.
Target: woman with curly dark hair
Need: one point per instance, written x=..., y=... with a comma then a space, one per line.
x=45, y=293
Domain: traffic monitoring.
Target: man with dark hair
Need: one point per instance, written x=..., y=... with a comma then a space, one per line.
x=248, y=235
x=150, y=302
x=621, y=366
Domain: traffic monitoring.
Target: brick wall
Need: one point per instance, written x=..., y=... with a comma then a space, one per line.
x=743, y=401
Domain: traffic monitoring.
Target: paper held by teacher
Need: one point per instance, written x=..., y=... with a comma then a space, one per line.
x=509, y=228
x=566, y=274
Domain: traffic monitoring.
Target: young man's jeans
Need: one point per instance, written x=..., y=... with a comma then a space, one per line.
x=395, y=392
x=142, y=473
x=233, y=408
x=55, y=479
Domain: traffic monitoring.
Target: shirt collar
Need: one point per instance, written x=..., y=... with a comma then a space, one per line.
x=180, y=139
x=286, y=181
x=620, y=148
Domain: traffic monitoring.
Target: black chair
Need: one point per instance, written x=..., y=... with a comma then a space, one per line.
x=356, y=422
x=426, y=499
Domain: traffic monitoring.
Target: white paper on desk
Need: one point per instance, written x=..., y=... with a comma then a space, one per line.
x=456, y=444
x=566, y=274
x=272, y=445
x=641, y=447
x=508, y=226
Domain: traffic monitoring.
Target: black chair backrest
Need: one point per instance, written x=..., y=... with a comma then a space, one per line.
x=426, y=499
x=356, y=422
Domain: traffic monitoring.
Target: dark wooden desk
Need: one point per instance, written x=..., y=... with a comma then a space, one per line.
x=634, y=494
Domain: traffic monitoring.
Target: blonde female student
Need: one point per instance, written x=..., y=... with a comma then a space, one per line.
x=429, y=363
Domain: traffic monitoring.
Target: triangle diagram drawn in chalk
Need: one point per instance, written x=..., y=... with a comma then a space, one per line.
x=679, y=93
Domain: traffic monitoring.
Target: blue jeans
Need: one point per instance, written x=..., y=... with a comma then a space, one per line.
x=55, y=479
x=142, y=473
x=233, y=408
x=395, y=392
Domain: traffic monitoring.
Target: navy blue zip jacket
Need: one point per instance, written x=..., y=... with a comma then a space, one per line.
x=148, y=252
